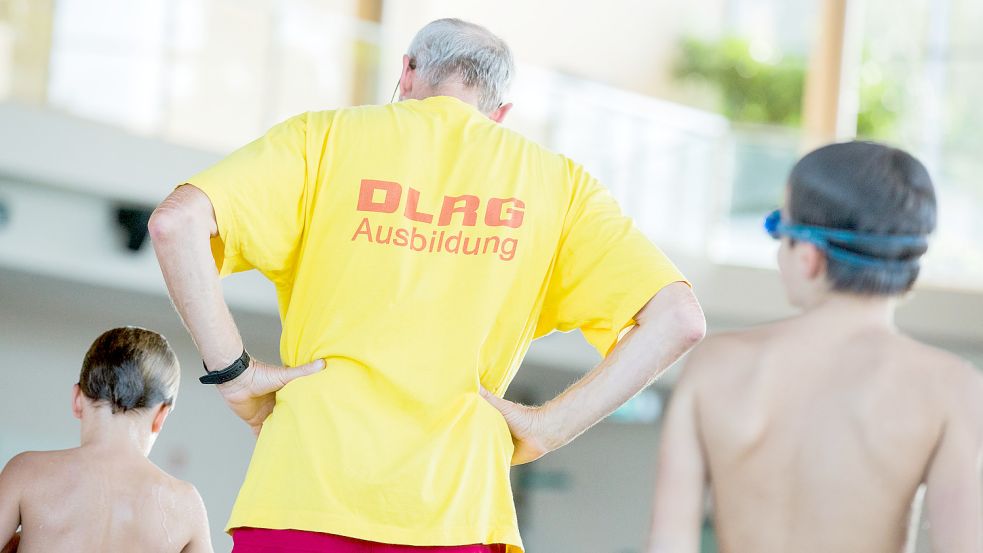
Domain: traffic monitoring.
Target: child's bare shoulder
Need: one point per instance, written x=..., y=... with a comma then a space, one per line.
x=182, y=495
x=30, y=464
x=189, y=507
x=949, y=369
x=735, y=346
x=31, y=471
x=19, y=467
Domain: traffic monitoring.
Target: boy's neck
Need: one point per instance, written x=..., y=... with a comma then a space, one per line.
x=120, y=433
x=852, y=311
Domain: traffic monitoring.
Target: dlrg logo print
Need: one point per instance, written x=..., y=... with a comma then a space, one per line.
x=498, y=212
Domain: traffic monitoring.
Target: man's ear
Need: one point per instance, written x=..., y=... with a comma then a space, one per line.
x=499, y=114
x=77, y=401
x=407, y=77
x=159, y=418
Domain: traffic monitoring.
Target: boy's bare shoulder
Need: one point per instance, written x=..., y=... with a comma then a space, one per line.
x=30, y=472
x=744, y=340
x=947, y=368
x=730, y=351
x=922, y=353
x=182, y=493
x=959, y=382
x=37, y=463
x=190, y=503
x=962, y=385
x=188, y=506
x=21, y=466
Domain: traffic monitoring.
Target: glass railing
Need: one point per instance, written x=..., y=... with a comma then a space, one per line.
x=207, y=73
x=667, y=164
x=215, y=74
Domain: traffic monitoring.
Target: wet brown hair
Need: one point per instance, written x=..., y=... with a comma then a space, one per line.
x=130, y=368
x=869, y=188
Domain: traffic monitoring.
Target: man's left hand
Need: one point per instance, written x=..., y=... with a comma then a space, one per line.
x=526, y=425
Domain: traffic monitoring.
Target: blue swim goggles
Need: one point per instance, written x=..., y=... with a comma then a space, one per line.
x=834, y=242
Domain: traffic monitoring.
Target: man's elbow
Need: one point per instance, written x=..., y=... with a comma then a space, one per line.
x=177, y=216
x=692, y=324
x=165, y=224
x=680, y=314
x=674, y=313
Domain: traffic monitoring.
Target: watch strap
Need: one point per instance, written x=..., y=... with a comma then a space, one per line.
x=228, y=373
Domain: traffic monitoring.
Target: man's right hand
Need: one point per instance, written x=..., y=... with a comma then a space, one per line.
x=181, y=229
x=252, y=394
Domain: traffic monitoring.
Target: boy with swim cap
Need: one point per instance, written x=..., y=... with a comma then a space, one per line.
x=813, y=434
x=106, y=495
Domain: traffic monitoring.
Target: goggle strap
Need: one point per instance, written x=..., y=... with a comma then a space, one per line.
x=821, y=237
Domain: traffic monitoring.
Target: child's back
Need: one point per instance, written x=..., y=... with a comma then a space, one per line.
x=106, y=495
x=814, y=434
x=93, y=499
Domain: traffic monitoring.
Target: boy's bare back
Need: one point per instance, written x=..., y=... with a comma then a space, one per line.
x=94, y=499
x=815, y=437
x=87, y=499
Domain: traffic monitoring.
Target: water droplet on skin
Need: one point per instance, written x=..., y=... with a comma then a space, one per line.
x=163, y=515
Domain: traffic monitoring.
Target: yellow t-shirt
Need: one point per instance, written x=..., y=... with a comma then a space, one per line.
x=418, y=248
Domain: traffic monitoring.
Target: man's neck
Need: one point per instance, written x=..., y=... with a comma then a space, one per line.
x=468, y=95
x=123, y=433
x=854, y=311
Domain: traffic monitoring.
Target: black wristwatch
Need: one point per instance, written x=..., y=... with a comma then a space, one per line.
x=228, y=373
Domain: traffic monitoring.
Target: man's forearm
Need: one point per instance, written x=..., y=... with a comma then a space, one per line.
x=668, y=327
x=181, y=228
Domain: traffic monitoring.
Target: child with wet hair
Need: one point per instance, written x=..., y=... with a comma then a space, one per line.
x=815, y=433
x=105, y=495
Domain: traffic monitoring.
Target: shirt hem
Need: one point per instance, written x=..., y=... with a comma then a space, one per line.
x=359, y=529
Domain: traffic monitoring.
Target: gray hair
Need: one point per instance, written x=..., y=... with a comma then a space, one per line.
x=448, y=48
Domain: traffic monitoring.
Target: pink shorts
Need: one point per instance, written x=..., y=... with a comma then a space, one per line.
x=261, y=540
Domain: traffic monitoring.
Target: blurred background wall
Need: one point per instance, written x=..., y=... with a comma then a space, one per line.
x=692, y=113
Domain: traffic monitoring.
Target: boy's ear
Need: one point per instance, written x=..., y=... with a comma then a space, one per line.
x=810, y=259
x=77, y=401
x=159, y=418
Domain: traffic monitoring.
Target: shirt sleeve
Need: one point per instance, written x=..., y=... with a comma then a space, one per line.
x=605, y=268
x=259, y=195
